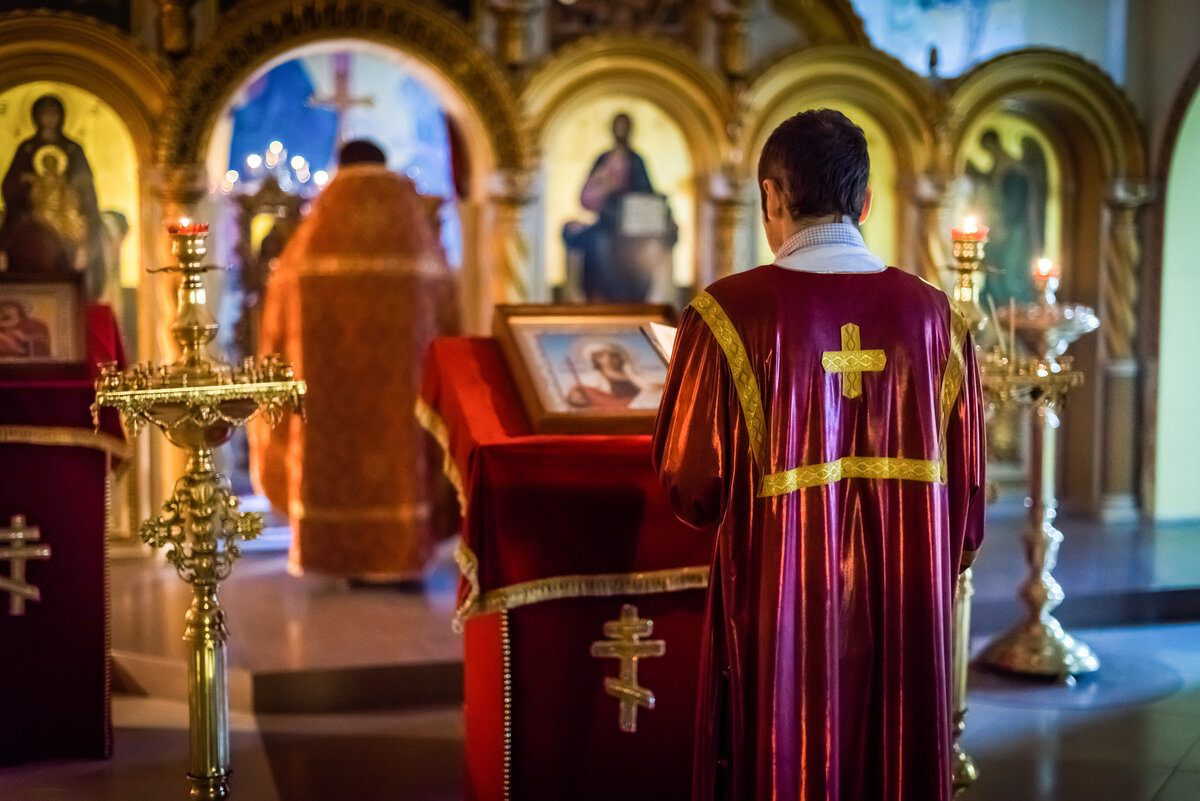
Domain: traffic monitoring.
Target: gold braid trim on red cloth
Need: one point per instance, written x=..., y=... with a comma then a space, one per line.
x=600, y=585
x=744, y=380
x=432, y=422
x=65, y=435
x=952, y=379
x=817, y=475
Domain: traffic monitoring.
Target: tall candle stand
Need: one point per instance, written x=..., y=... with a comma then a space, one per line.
x=968, y=245
x=198, y=401
x=1038, y=645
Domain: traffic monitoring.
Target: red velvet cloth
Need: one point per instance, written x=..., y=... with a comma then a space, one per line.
x=546, y=506
x=827, y=658
x=54, y=682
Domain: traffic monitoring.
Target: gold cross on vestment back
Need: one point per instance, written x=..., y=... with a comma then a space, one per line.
x=15, y=550
x=851, y=361
x=625, y=643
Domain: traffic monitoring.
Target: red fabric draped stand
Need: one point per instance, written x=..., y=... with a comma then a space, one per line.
x=539, y=508
x=54, y=681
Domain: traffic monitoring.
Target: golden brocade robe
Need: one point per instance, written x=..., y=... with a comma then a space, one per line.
x=360, y=291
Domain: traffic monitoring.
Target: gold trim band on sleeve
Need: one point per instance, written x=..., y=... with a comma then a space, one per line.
x=66, y=436
x=744, y=380
x=432, y=422
x=953, y=377
x=818, y=475
x=600, y=585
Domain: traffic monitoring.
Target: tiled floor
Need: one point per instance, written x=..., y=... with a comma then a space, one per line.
x=1131, y=733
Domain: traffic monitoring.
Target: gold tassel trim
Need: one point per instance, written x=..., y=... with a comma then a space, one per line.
x=66, y=436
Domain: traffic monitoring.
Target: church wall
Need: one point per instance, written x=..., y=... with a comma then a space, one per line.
x=1175, y=495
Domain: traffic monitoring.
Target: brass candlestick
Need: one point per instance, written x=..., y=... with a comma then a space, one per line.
x=1038, y=645
x=968, y=243
x=197, y=402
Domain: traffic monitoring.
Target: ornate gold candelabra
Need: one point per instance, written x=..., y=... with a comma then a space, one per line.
x=1038, y=645
x=197, y=402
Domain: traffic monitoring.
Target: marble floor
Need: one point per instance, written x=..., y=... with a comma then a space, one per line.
x=1130, y=733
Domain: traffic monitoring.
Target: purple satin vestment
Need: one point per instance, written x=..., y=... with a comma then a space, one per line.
x=831, y=425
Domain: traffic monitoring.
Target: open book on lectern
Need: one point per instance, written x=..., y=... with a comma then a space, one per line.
x=661, y=337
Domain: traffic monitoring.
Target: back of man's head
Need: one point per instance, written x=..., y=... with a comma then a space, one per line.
x=819, y=159
x=360, y=151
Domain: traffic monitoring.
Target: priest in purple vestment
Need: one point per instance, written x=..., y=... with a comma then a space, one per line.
x=824, y=412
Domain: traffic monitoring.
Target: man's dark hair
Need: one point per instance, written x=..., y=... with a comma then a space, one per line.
x=361, y=151
x=820, y=160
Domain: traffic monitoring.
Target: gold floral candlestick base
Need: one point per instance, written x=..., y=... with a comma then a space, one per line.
x=198, y=402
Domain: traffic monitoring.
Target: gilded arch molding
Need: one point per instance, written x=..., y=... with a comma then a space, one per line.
x=662, y=72
x=78, y=50
x=894, y=95
x=1054, y=80
x=252, y=34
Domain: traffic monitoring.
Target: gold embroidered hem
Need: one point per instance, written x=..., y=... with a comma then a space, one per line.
x=405, y=513
x=601, y=585
x=817, y=475
x=739, y=367
x=342, y=264
x=432, y=422
x=65, y=435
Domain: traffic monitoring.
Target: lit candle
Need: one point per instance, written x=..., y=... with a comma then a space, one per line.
x=971, y=231
x=186, y=227
x=1044, y=270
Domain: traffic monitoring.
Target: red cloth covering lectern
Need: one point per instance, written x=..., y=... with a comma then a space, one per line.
x=54, y=680
x=559, y=533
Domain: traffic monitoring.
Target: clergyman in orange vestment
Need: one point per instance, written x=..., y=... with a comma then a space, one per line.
x=361, y=290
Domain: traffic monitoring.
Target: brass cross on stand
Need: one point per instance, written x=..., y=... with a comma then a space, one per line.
x=851, y=361
x=625, y=643
x=15, y=550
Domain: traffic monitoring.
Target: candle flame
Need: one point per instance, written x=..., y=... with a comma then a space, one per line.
x=184, y=221
x=1044, y=268
x=970, y=226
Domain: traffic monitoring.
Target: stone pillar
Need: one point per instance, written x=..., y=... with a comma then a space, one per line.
x=1119, y=303
x=507, y=269
x=731, y=218
x=932, y=256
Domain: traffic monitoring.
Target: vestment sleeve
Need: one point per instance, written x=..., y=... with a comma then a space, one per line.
x=691, y=434
x=966, y=460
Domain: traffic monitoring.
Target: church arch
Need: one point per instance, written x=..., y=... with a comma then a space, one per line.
x=472, y=87
x=256, y=34
x=1096, y=140
x=888, y=100
x=77, y=50
x=1170, y=325
x=660, y=73
x=105, y=63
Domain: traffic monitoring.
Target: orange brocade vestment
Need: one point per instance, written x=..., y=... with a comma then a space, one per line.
x=361, y=290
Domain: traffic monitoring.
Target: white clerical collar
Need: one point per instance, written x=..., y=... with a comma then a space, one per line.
x=828, y=248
